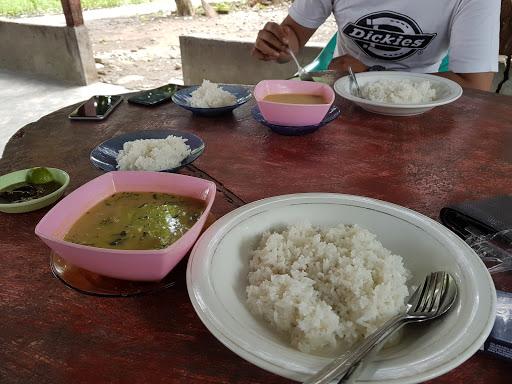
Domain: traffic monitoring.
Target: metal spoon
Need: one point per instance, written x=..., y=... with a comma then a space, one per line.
x=433, y=298
x=353, y=81
x=303, y=74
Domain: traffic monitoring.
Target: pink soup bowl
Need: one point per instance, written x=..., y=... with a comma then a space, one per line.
x=142, y=265
x=296, y=115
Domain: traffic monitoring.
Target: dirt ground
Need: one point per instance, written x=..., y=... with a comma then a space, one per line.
x=143, y=52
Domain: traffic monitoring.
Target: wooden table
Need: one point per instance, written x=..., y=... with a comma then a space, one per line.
x=52, y=334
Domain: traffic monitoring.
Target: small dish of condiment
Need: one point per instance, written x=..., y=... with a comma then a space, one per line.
x=31, y=189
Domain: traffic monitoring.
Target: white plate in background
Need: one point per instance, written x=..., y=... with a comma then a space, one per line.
x=447, y=91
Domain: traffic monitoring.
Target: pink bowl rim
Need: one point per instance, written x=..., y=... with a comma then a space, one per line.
x=209, y=201
x=332, y=94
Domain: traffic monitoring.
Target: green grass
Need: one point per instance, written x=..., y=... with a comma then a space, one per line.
x=42, y=7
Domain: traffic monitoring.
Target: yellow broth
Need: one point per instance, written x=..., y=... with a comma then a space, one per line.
x=136, y=220
x=295, y=98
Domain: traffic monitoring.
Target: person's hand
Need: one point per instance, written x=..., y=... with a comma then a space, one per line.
x=342, y=63
x=272, y=43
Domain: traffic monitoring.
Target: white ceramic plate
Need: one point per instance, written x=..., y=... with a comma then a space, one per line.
x=447, y=92
x=217, y=277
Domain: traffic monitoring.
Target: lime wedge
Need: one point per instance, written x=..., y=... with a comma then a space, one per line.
x=39, y=176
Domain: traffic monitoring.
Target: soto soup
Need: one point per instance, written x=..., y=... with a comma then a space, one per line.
x=295, y=98
x=136, y=221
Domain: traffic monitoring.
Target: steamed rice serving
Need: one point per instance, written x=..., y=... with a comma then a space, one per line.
x=210, y=95
x=399, y=91
x=325, y=287
x=153, y=154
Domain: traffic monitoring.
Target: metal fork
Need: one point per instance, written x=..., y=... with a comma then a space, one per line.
x=433, y=298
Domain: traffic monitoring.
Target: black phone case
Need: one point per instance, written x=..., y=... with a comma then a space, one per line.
x=148, y=103
x=96, y=118
x=142, y=99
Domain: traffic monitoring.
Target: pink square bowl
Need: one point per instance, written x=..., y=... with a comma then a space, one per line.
x=295, y=115
x=145, y=265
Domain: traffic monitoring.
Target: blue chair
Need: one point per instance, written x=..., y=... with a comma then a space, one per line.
x=321, y=62
x=444, y=64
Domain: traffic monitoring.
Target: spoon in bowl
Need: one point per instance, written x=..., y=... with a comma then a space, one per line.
x=353, y=81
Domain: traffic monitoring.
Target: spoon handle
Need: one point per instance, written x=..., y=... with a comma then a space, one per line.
x=296, y=61
x=345, y=363
x=354, y=80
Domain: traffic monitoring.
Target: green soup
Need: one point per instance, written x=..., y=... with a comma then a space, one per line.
x=136, y=220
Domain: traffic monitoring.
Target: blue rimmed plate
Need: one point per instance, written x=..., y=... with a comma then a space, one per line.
x=332, y=114
x=104, y=155
x=182, y=98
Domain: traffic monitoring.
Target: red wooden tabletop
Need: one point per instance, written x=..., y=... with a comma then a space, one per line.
x=52, y=334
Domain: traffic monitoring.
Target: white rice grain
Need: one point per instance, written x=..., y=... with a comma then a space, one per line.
x=327, y=286
x=153, y=154
x=210, y=95
x=399, y=91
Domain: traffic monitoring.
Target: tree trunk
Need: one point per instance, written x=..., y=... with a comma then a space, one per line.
x=208, y=9
x=184, y=8
x=73, y=12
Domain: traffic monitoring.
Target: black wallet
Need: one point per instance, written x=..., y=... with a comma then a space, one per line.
x=479, y=217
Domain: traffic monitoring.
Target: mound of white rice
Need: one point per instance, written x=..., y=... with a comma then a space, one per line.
x=210, y=95
x=153, y=154
x=325, y=287
x=399, y=91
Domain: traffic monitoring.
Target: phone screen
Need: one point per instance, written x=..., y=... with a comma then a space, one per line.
x=155, y=96
x=96, y=107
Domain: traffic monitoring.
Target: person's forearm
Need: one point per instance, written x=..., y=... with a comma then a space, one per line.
x=481, y=81
x=300, y=35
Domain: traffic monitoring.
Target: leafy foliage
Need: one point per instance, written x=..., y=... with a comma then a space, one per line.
x=41, y=7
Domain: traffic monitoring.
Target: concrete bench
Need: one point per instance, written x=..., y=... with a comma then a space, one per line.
x=57, y=52
x=228, y=61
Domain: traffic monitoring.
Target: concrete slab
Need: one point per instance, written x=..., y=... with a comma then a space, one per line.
x=230, y=61
x=25, y=99
x=60, y=53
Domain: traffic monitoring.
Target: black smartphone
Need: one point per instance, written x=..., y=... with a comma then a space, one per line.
x=155, y=96
x=96, y=108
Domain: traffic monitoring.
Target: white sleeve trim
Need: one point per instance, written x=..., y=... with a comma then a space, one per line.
x=470, y=67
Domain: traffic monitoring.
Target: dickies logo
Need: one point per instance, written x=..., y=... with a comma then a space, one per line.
x=388, y=35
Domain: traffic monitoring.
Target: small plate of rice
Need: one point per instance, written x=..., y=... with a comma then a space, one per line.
x=290, y=282
x=399, y=93
x=155, y=150
x=211, y=99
